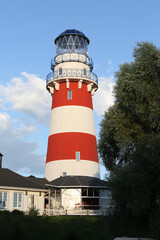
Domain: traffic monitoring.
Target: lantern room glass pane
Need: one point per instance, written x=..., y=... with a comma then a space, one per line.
x=72, y=43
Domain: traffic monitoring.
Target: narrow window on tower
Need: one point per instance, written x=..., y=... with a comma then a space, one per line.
x=64, y=174
x=69, y=94
x=77, y=156
x=84, y=71
x=60, y=71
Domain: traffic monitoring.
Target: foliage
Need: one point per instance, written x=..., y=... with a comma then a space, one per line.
x=17, y=212
x=136, y=185
x=4, y=212
x=130, y=139
x=136, y=111
x=33, y=212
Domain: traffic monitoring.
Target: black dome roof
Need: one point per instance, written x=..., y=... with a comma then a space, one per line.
x=71, y=32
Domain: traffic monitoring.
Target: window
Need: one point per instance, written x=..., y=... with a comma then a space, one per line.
x=60, y=71
x=90, y=192
x=106, y=194
x=3, y=200
x=90, y=198
x=69, y=94
x=17, y=200
x=84, y=71
x=77, y=156
x=84, y=192
x=64, y=174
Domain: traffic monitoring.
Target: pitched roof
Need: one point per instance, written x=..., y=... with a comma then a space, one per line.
x=78, y=181
x=9, y=178
x=41, y=181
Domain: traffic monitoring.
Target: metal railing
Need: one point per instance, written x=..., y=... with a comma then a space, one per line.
x=59, y=212
x=71, y=73
x=71, y=57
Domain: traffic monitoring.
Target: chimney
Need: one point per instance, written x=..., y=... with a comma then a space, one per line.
x=1, y=160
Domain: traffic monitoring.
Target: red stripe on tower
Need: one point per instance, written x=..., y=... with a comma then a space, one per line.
x=65, y=145
x=80, y=97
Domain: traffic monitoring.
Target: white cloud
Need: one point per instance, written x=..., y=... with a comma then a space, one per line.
x=110, y=62
x=27, y=94
x=4, y=121
x=20, y=154
x=110, y=67
x=103, y=98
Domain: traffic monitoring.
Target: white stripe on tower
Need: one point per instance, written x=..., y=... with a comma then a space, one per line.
x=72, y=119
x=72, y=167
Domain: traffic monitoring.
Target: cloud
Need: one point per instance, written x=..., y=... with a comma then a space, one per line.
x=110, y=62
x=103, y=98
x=27, y=94
x=4, y=121
x=110, y=66
x=20, y=154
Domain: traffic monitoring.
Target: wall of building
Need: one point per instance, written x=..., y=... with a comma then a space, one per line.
x=22, y=200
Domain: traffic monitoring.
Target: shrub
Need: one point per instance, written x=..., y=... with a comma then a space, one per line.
x=33, y=212
x=17, y=212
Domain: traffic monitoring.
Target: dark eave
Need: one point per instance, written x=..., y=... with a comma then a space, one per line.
x=78, y=182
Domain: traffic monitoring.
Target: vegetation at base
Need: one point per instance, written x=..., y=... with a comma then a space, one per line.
x=17, y=212
x=33, y=212
x=18, y=227
x=136, y=188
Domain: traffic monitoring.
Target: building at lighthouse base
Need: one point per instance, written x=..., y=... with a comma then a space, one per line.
x=71, y=195
x=78, y=195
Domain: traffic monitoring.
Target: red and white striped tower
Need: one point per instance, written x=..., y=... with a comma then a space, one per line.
x=72, y=148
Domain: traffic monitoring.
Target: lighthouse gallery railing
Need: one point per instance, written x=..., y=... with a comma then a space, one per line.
x=72, y=57
x=72, y=72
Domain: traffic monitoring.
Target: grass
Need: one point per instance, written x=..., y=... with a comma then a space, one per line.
x=18, y=226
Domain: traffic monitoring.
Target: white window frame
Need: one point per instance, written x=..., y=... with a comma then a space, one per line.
x=4, y=202
x=77, y=156
x=17, y=202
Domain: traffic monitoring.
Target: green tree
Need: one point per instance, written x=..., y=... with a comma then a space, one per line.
x=136, y=185
x=135, y=114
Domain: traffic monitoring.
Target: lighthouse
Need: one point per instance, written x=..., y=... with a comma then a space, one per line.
x=72, y=147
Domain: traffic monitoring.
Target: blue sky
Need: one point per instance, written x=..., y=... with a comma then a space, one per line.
x=27, y=32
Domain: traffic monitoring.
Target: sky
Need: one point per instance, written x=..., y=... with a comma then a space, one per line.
x=27, y=32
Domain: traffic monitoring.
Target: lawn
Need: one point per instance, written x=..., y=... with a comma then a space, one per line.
x=15, y=227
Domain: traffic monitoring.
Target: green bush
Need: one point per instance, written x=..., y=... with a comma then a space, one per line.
x=4, y=212
x=17, y=212
x=33, y=212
